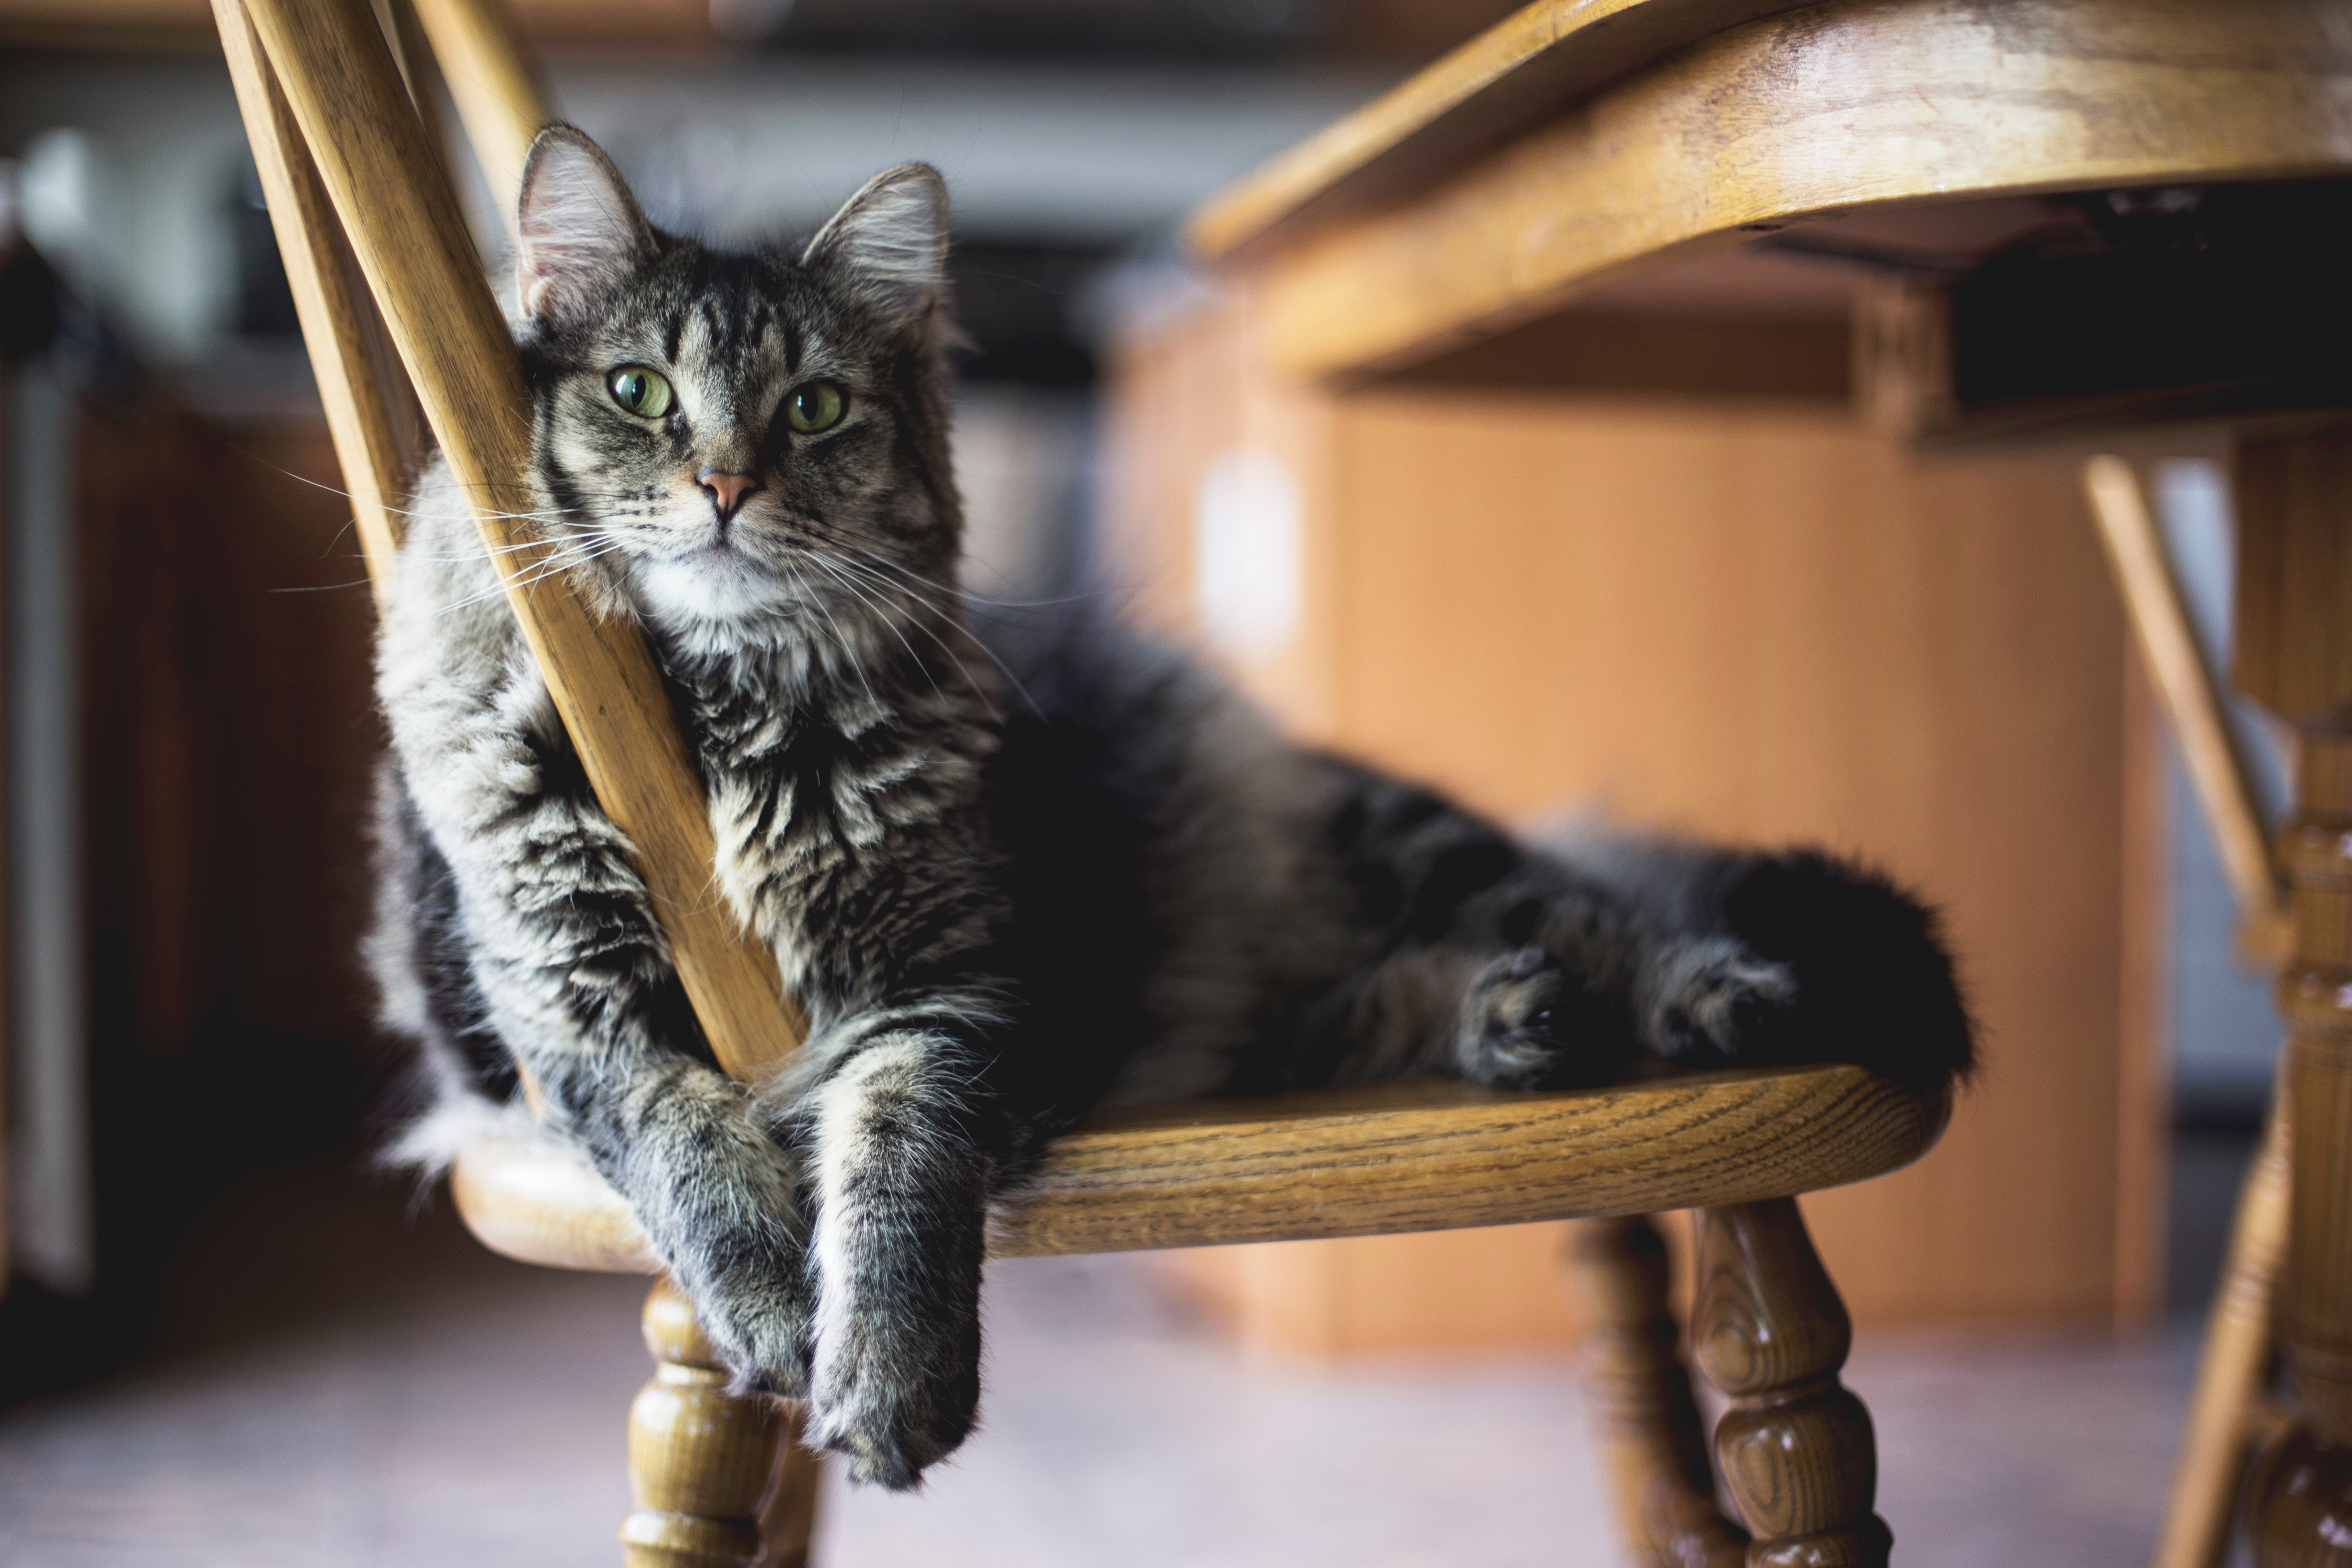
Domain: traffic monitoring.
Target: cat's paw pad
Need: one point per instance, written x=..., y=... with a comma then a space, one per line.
x=1515, y=1020
x=1713, y=996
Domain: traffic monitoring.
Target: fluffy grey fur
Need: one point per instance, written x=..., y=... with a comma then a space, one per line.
x=1003, y=901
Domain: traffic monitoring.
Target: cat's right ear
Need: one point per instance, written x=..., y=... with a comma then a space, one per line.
x=578, y=229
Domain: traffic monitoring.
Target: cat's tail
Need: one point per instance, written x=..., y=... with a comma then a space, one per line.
x=1875, y=981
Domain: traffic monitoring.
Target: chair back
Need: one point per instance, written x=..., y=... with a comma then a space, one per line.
x=398, y=316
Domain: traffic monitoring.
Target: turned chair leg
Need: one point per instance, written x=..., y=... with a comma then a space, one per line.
x=1649, y=1427
x=1795, y=1449
x=719, y=1481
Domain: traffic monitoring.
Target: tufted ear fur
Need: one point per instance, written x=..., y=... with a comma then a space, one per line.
x=578, y=229
x=891, y=240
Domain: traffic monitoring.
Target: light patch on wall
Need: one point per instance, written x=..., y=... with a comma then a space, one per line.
x=1248, y=537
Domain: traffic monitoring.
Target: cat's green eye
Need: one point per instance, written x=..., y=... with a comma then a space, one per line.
x=642, y=391
x=817, y=406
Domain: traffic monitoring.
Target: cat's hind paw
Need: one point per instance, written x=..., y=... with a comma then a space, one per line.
x=1515, y=1020
x=1713, y=999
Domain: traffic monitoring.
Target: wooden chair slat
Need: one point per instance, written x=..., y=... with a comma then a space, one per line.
x=491, y=80
x=372, y=413
x=1374, y=1160
x=345, y=93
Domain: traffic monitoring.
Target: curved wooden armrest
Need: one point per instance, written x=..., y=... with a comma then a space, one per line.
x=1362, y=1161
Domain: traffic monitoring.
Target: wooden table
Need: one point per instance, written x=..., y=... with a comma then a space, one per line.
x=2070, y=219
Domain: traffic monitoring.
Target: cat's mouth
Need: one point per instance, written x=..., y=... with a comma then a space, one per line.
x=720, y=564
x=719, y=549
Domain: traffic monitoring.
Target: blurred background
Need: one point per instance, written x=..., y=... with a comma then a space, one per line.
x=224, y=1338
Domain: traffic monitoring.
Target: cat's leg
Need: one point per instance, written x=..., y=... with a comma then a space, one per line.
x=575, y=978
x=1533, y=1014
x=1510, y=967
x=902, y=1158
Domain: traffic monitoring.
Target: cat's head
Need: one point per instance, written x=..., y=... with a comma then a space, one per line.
x=747, y=443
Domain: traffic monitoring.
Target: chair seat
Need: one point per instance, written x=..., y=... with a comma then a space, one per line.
x=1365, y=1160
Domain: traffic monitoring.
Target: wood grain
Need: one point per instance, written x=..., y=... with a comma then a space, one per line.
x=372, y=413
x=1794, y=1448
x=1645, y=1416
x=1431, y=1156
x=404, y=224
x=702, y=1461
x=1535, y=62
x=498, y=96
x=1844, y=106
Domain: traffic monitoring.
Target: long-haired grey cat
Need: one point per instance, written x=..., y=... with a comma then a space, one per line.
x=1001, y=905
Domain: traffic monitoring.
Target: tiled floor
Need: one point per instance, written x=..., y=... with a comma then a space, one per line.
x=339, y=1386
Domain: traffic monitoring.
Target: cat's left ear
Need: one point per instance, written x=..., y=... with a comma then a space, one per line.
x=577, y=226
x=891, y=238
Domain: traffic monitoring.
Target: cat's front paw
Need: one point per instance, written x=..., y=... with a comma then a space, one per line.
x=894, y=1393
x=1712, y=998
x=1515, y=1018
x=758, y=1322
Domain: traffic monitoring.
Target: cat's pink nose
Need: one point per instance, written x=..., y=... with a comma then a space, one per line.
x=727, y=490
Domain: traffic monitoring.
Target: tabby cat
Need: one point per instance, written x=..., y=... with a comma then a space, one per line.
x=1005, y=893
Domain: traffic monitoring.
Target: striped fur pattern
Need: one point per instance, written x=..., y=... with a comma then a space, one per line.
x=1004, y=898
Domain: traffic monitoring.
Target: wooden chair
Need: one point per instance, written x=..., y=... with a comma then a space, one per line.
x=382, y=268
